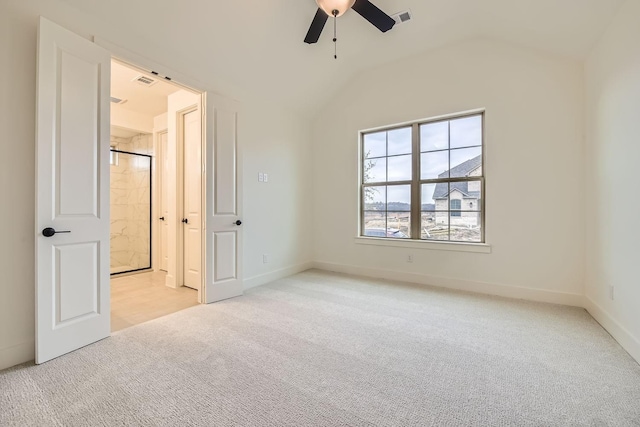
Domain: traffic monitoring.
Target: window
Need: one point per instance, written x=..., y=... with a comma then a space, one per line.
x=424, y=181
x=456, y=205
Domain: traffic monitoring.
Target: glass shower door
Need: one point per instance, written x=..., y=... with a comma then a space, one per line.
x=130, y=212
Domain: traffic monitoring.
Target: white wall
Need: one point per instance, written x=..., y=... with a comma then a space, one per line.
x=17, y=181
x=613, y=154
x=277, y=214
x=273, y=139
x=534, y=168
x=131, y=119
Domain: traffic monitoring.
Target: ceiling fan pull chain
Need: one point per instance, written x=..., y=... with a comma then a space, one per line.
x=335, y=38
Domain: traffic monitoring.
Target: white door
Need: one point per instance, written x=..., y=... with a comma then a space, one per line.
x=72, y=180
x=163, y=228
x=223, y=206
x=192, y=196
x=178, y=105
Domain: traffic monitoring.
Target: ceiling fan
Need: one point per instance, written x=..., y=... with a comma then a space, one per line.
x=336, y=8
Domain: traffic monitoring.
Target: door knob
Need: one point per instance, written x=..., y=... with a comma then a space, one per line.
x=185, y=220
x=48, y=232
x=161, y=218
x=238, y=222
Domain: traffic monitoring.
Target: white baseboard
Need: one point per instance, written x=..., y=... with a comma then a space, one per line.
x=530, y=294
x=262, y=279
x=17, y=354
x=625, y=338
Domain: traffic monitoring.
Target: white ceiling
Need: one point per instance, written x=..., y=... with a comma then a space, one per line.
x=149, y=100
x=258, y=45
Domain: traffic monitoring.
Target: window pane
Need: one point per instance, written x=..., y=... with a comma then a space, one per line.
x=375, y=145
x=435, y=226
x=441, y=196
x=375, y=224
x=434, y=136
x=466, y=132
x=468, y=195
x=466, y=162
x=398, y=225
x=427, y=201
x=467, y=227
x=435, y=197
x=399, y=168
x=434, y=165
x=399, y=198
x=375, y=198
x=375, y=170
x=399, y=141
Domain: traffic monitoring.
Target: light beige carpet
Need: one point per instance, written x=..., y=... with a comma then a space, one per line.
x=325, y=349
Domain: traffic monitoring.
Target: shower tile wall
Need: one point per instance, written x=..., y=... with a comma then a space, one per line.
x=130, y=204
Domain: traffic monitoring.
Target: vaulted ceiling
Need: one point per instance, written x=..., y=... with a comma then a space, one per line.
x=258, y=45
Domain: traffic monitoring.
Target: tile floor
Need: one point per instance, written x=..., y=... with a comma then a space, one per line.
x=142, y=297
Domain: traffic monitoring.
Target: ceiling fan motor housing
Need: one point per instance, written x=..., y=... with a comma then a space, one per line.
x=329, y=6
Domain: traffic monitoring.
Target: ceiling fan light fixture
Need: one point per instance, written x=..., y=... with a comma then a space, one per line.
x=328, y=6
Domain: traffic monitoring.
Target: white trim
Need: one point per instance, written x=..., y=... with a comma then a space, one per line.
x=530, y=294
x=483, y=248
x=265, y=278
x=17, y=354
x=625, y=338
x=158, y=155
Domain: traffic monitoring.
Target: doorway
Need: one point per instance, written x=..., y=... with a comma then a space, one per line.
x=156, y=194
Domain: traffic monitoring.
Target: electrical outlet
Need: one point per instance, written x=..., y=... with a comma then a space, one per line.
x=612, y=293
x=409, y=258
x=260, y=177
x=265, y=259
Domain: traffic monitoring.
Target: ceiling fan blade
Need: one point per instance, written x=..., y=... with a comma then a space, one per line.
x=374, y=15
x=316, y=27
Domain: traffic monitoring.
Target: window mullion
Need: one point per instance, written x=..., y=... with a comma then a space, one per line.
x=416, y=209
x=444, y=180
x=386, y=178
x=449, y=176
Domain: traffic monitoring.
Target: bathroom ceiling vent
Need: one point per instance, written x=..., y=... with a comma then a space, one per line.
x=118, y=100
x=145, y=80
x=402, y=17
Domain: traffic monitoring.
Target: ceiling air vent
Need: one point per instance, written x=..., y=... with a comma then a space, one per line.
x=145, y=80
x=118, y=100
x=402, y=17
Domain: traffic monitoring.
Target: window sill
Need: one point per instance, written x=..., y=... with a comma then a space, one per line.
x=482, y=248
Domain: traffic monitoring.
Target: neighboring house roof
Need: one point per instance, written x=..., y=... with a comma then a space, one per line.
x=463, y=169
